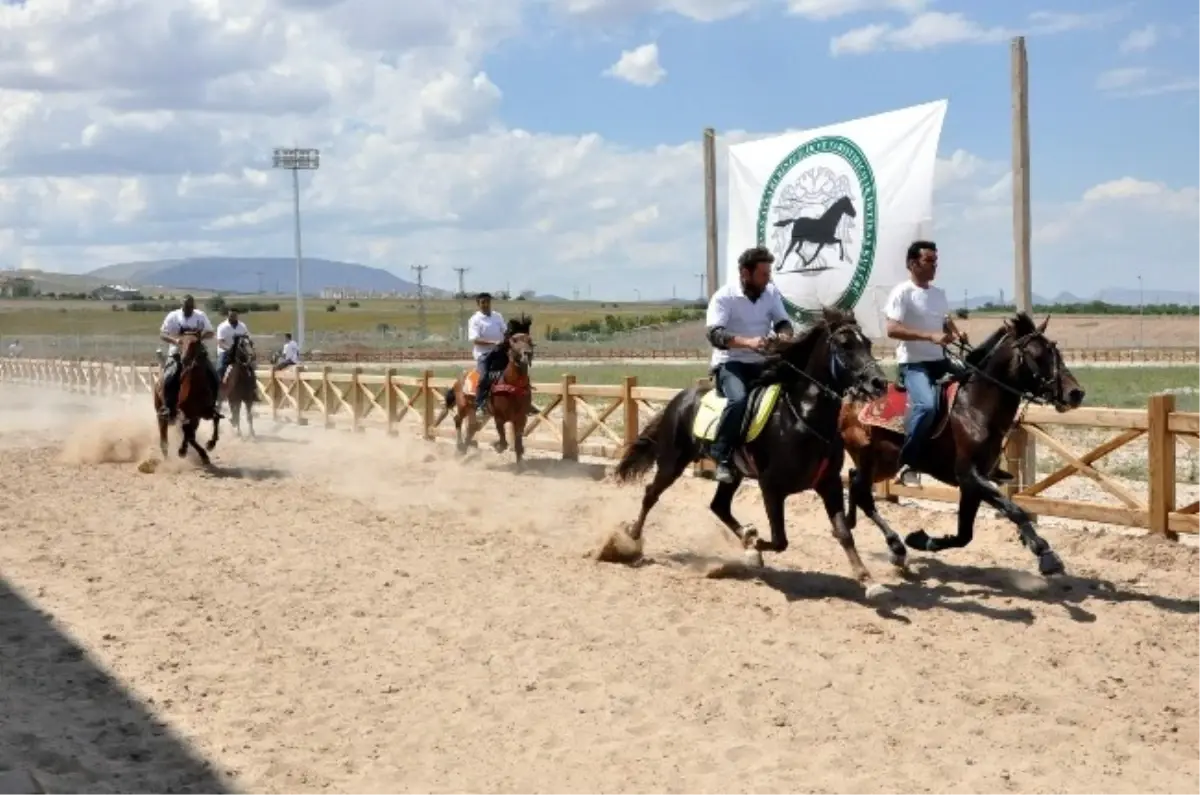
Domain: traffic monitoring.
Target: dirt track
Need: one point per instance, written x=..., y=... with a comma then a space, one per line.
x=359, y=614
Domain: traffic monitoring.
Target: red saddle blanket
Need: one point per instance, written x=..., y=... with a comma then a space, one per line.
x=471, y=386
x=888, y=411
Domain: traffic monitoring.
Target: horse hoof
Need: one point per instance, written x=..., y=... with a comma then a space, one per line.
x=918, y=540
x=875, y=592
x=753, y=558
x=619, y=547
x=898, y=561
x=181, y=453
x=210, y=445
x=1050, y=564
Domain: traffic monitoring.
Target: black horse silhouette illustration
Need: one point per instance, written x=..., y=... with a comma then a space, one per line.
x=822, y=231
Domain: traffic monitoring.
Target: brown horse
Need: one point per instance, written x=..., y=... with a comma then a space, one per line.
x=1016, y=364
x=195, y=401
x=239, y=386
x=510, y=398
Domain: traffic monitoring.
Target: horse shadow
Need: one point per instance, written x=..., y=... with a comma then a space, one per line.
x=221, y=472
x=270, y=438
x=1068, y=591
x=802, y=586
x=75, y=728
x=552, y=468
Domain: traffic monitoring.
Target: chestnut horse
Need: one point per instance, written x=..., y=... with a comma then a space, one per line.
x=1016, y=364
x=195, y=398
x=510, y=398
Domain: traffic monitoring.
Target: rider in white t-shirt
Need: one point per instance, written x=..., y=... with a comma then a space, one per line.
x=227, y=333
x=485, y=330
x=177, y=321
x=918, y=315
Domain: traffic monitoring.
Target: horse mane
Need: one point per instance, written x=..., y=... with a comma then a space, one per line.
x=797, y=351
x=521, y=324
x=1021, y=324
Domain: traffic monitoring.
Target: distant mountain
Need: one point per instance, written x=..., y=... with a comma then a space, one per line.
x=246, y=275
x=1110, y=295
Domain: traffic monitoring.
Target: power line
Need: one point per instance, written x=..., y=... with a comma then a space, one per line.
x=423, y=327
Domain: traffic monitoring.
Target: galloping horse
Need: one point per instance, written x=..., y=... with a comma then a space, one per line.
x=510, y=397
x=240, y=387
x=791, y=442
x=821, y=230
x=1016, y=364
x=195, y=398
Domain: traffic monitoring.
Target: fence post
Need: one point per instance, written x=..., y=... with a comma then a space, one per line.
x=326, y=389
x=389, y=400
x=631, y=409
x=427, y=404
x=276, y=394
x=356, y=401
x=298, y=372
x=1162, y=463
x=570, y=421
x=704, y=467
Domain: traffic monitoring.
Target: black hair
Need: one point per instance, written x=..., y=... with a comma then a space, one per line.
x=917, y=246
x=751, y=257
x=482, y=296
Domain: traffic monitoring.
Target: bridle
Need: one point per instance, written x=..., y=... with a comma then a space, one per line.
x=836, y=363
x=1047, y=390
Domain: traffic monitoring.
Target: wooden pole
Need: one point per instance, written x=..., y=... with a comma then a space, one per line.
x=710, y=207
x=1022, y=270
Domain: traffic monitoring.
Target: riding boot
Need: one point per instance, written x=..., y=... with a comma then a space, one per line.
x=481, y=396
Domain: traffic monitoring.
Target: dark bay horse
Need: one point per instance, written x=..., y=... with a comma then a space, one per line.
x=797, y=449
x=240, y=387
x=196, y=400
x=821, y=230
x=510, y=398
x=1016, y=364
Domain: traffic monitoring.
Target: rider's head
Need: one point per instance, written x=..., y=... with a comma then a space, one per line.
x=754, y=271
x=232, y=316
x=922, y=261
x=189, y=305
x=484, y=301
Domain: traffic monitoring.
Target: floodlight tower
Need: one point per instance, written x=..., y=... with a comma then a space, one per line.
x=297, y=160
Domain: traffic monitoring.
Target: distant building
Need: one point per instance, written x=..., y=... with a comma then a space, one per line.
x=17, y=287
x=116, y=292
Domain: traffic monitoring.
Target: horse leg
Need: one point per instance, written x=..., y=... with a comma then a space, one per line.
x=722, y=508
x=162, y=435
x=195, y=443
x=980, y=489
x=830, y=491
x=861, y=494
x=502, y=443
x=249, y=420
x=187, y=430
x=665, y=474
x=216, y=432
x=519, y=440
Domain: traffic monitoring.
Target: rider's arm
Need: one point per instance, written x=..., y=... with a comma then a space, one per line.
x=894, y=313
x=781, y=324
x=953, y=328
x=208, y=331
x=170, y=330
x=474, y=329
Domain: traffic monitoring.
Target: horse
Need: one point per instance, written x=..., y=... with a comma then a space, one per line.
x=978, y=407
x=821, y=230
x=510, y=398
x=195, y=402
x=240, y=387
x=790, y=443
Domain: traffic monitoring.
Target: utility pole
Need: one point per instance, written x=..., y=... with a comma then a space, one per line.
x=700, y=276
x=297, y=160
x=462, y=300
x=422, y=329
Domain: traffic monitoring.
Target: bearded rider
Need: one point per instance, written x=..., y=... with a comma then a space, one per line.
x=741, y=316
x=177, y=321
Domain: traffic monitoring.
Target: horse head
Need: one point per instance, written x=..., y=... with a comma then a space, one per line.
x=1032, y=363
x=243, y=351
x=191, y=349
x=519, y=337
x=843, y=206
x=836, y=345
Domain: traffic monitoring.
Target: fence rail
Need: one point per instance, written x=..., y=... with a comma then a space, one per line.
x=577, y=420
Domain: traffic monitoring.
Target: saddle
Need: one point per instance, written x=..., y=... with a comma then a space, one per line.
x=758, y=411
x=888, y=412
x=498, y=387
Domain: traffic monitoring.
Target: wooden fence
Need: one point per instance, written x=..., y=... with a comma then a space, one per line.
x=591, y=420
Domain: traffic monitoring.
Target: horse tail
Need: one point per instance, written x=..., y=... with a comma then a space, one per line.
x=449, y=397
x=783, y=223
x=639, y=456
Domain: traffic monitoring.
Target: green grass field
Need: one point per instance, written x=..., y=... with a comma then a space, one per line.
x=1105, y=386
x=43, y=316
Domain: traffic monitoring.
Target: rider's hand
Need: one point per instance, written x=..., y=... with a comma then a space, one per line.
x=944, y=338
x=962, y=337
x=761, y=344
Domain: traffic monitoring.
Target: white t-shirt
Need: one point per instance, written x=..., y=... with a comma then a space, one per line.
x=175, y=324
x=920, y=309
x=485, y=327
x=226, y=331
x=291, y=352
x=729, y=307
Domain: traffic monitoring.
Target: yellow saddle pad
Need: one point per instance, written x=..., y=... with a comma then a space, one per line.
x=762, y=401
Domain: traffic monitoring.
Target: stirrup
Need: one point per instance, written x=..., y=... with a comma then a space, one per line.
x=907, y=476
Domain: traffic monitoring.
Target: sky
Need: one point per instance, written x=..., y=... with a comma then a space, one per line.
x=555, y=144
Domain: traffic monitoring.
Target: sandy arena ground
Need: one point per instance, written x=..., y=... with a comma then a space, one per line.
x=331, y=613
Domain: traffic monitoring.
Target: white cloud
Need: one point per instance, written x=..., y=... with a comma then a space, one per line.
x=638, y=66
x=830, y=9
x=932, y=29
x=1141, y=81
x=1123, y=77
x=1139, y=40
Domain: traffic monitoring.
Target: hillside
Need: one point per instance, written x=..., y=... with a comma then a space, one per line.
x=245, y=275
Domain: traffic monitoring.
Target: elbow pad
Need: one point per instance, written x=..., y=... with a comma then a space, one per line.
x=719, y=337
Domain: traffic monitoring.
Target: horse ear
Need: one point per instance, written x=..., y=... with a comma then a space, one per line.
x=1042, y=327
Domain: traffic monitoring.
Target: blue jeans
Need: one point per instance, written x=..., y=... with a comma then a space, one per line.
x=733, y=381
x=918, y=379
x=222, y=364
x=481, y=392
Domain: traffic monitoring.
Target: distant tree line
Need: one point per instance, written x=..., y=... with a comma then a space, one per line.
x=1094, y=308
x=615, y=324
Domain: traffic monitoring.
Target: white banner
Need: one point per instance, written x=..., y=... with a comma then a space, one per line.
x=838, y=206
